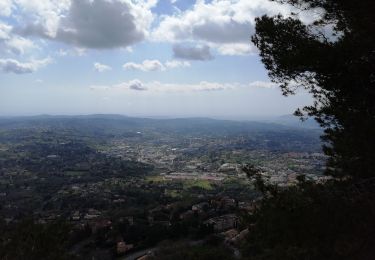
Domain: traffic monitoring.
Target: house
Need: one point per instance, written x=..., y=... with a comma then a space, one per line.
x=223, y=223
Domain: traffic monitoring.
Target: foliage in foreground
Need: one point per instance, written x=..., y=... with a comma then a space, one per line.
x=335, y=220
x=314, y=221
x=28, y=241
x=170, y=251
x=337, y=69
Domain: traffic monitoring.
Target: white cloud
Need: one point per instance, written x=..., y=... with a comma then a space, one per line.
x=263, y=84
x=199, y=87
x=13, y=44
x=225, y=25
x=162, y=87
x=101, y=67
x=5, y=31
x=146, y=65
x=6, y=7
x=192, y=52
x=73, y=52
x=157, y=86
x=42, y=17
x=172, y=64
x=20, y=45
x=14, y=66
x=130, y=85
x=134, y=85
x=97, y=24
x=235, y=48
x=62, y=53
x=156, y=65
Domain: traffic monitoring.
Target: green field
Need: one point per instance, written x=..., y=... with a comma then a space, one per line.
x=203, y=184
x=155, y=178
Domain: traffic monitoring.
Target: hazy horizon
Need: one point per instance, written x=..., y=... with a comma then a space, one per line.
x=229, y=117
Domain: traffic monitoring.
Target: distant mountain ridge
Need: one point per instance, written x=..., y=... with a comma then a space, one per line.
x=113, y=120
x=291, y=120
x=260, y=135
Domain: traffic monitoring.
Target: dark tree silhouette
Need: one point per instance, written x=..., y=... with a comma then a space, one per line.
x=334, y=220
x=337, y=69
x=28, y=241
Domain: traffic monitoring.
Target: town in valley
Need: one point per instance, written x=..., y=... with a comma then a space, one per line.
x=124, y=187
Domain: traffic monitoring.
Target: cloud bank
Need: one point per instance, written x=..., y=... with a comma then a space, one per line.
x=202, y=86
x=14, y=66
x=155, y=65
x=192, y=52
x=97, y=24
x=224, y=25
x=99, y=67
x=146, y=65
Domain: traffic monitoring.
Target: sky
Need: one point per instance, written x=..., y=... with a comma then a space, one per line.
x=174, y=58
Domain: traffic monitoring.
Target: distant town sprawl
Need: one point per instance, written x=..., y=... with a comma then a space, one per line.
x=123, y=185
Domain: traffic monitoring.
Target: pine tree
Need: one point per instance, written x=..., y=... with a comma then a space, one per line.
x=338, y=69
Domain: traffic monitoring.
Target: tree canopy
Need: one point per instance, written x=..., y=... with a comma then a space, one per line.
x=334, y=59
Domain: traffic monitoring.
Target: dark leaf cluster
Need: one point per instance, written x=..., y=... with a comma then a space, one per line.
x=337, y=69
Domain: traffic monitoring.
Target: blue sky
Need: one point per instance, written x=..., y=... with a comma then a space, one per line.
x=136, y=57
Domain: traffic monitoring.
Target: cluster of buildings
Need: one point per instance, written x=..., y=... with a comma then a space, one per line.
x=215, y=159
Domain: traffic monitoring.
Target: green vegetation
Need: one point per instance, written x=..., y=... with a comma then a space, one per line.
x=333, y=220
x=313, y=221
x=28, y=240
x=202, y=184
x=54, y=174
x=174, y=193
x=155, y=178
x=336, y=69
